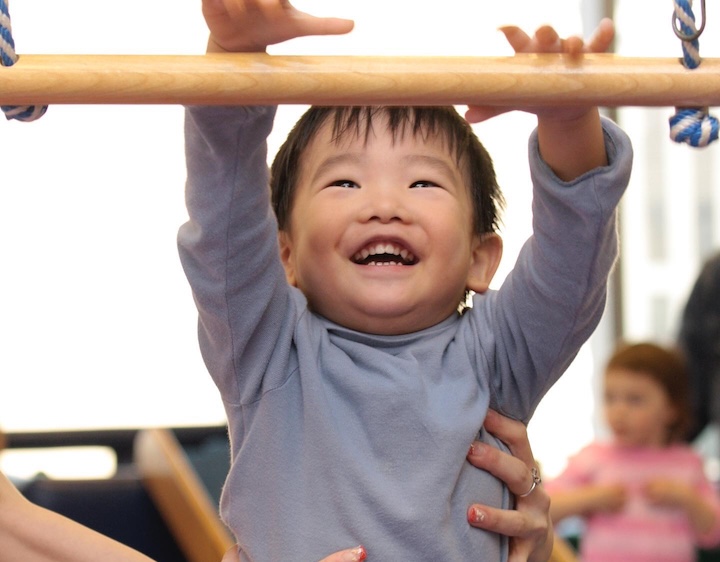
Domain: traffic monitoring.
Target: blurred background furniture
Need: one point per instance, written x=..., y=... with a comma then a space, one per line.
x=127, y=506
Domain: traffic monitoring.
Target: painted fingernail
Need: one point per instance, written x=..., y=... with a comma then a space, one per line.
x=477, y=515
x=357, y=554
x=476, y=448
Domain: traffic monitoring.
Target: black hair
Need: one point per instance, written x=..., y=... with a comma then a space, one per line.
x=485, y=193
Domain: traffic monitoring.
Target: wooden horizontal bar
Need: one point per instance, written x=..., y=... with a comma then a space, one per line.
x=252, y=79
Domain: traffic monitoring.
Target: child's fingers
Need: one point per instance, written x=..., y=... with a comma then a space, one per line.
x=602, y=37
x=518, y=39
x=312, y=25
x=252, y=25
x=478, y=113
x=573, y=46
x=548, y=40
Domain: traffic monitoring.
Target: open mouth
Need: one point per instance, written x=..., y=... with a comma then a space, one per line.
x=384, y=253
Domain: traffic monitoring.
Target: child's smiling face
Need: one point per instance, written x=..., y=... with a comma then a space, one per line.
x=381, y=235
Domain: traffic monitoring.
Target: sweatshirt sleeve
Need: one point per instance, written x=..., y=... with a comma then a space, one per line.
x=554, y=298
x=228, y=247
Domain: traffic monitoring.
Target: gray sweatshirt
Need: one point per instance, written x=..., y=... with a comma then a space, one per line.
x=342, y=438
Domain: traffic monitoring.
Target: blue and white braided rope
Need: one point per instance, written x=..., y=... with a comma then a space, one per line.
x=691, y=125
x=8, y=57
x=686, y=18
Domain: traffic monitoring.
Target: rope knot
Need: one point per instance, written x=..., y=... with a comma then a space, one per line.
x=694, y=126
x=8, y=57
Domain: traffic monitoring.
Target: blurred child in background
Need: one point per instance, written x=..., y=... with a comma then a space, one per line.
x=644, y=494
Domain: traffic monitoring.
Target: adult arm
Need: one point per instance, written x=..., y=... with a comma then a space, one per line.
x=30, y=533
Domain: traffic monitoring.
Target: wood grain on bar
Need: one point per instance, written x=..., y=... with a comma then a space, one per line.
x=252, y=79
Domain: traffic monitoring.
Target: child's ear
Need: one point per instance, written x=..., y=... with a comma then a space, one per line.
x=486, y=255
x=287, y=257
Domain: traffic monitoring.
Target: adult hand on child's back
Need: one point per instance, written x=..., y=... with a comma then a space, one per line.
x=252, y=25
x=528, y=525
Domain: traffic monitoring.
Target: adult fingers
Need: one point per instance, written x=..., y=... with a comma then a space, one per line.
x=529, y=529
x=506, y=522
x=511, y=432
x=356, y=554
x=511, y=470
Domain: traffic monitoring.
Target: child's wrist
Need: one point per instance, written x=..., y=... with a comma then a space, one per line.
x=214, y=47
x=572, y=145
x=569, y=119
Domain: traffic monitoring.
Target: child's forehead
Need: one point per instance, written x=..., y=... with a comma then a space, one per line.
x=633, y=377
x=366, y=135
x=409, y=151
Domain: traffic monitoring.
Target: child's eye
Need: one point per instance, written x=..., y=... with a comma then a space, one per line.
x=344, y=183
x=424, y=183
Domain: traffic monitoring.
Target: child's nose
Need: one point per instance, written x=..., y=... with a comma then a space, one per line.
x=386, y=204
x=616, y=412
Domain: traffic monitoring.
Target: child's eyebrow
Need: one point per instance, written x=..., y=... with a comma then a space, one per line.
x=436, y=163
x=439, y=164
x=338, y=160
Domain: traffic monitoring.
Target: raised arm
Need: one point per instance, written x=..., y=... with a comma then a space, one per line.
x=570, y=139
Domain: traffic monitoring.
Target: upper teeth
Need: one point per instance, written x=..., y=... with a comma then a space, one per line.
x=384, y=248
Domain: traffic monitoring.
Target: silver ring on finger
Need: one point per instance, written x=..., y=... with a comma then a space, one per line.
x=535, y=481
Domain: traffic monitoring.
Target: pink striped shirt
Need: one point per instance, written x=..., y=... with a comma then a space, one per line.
x=640, y=532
